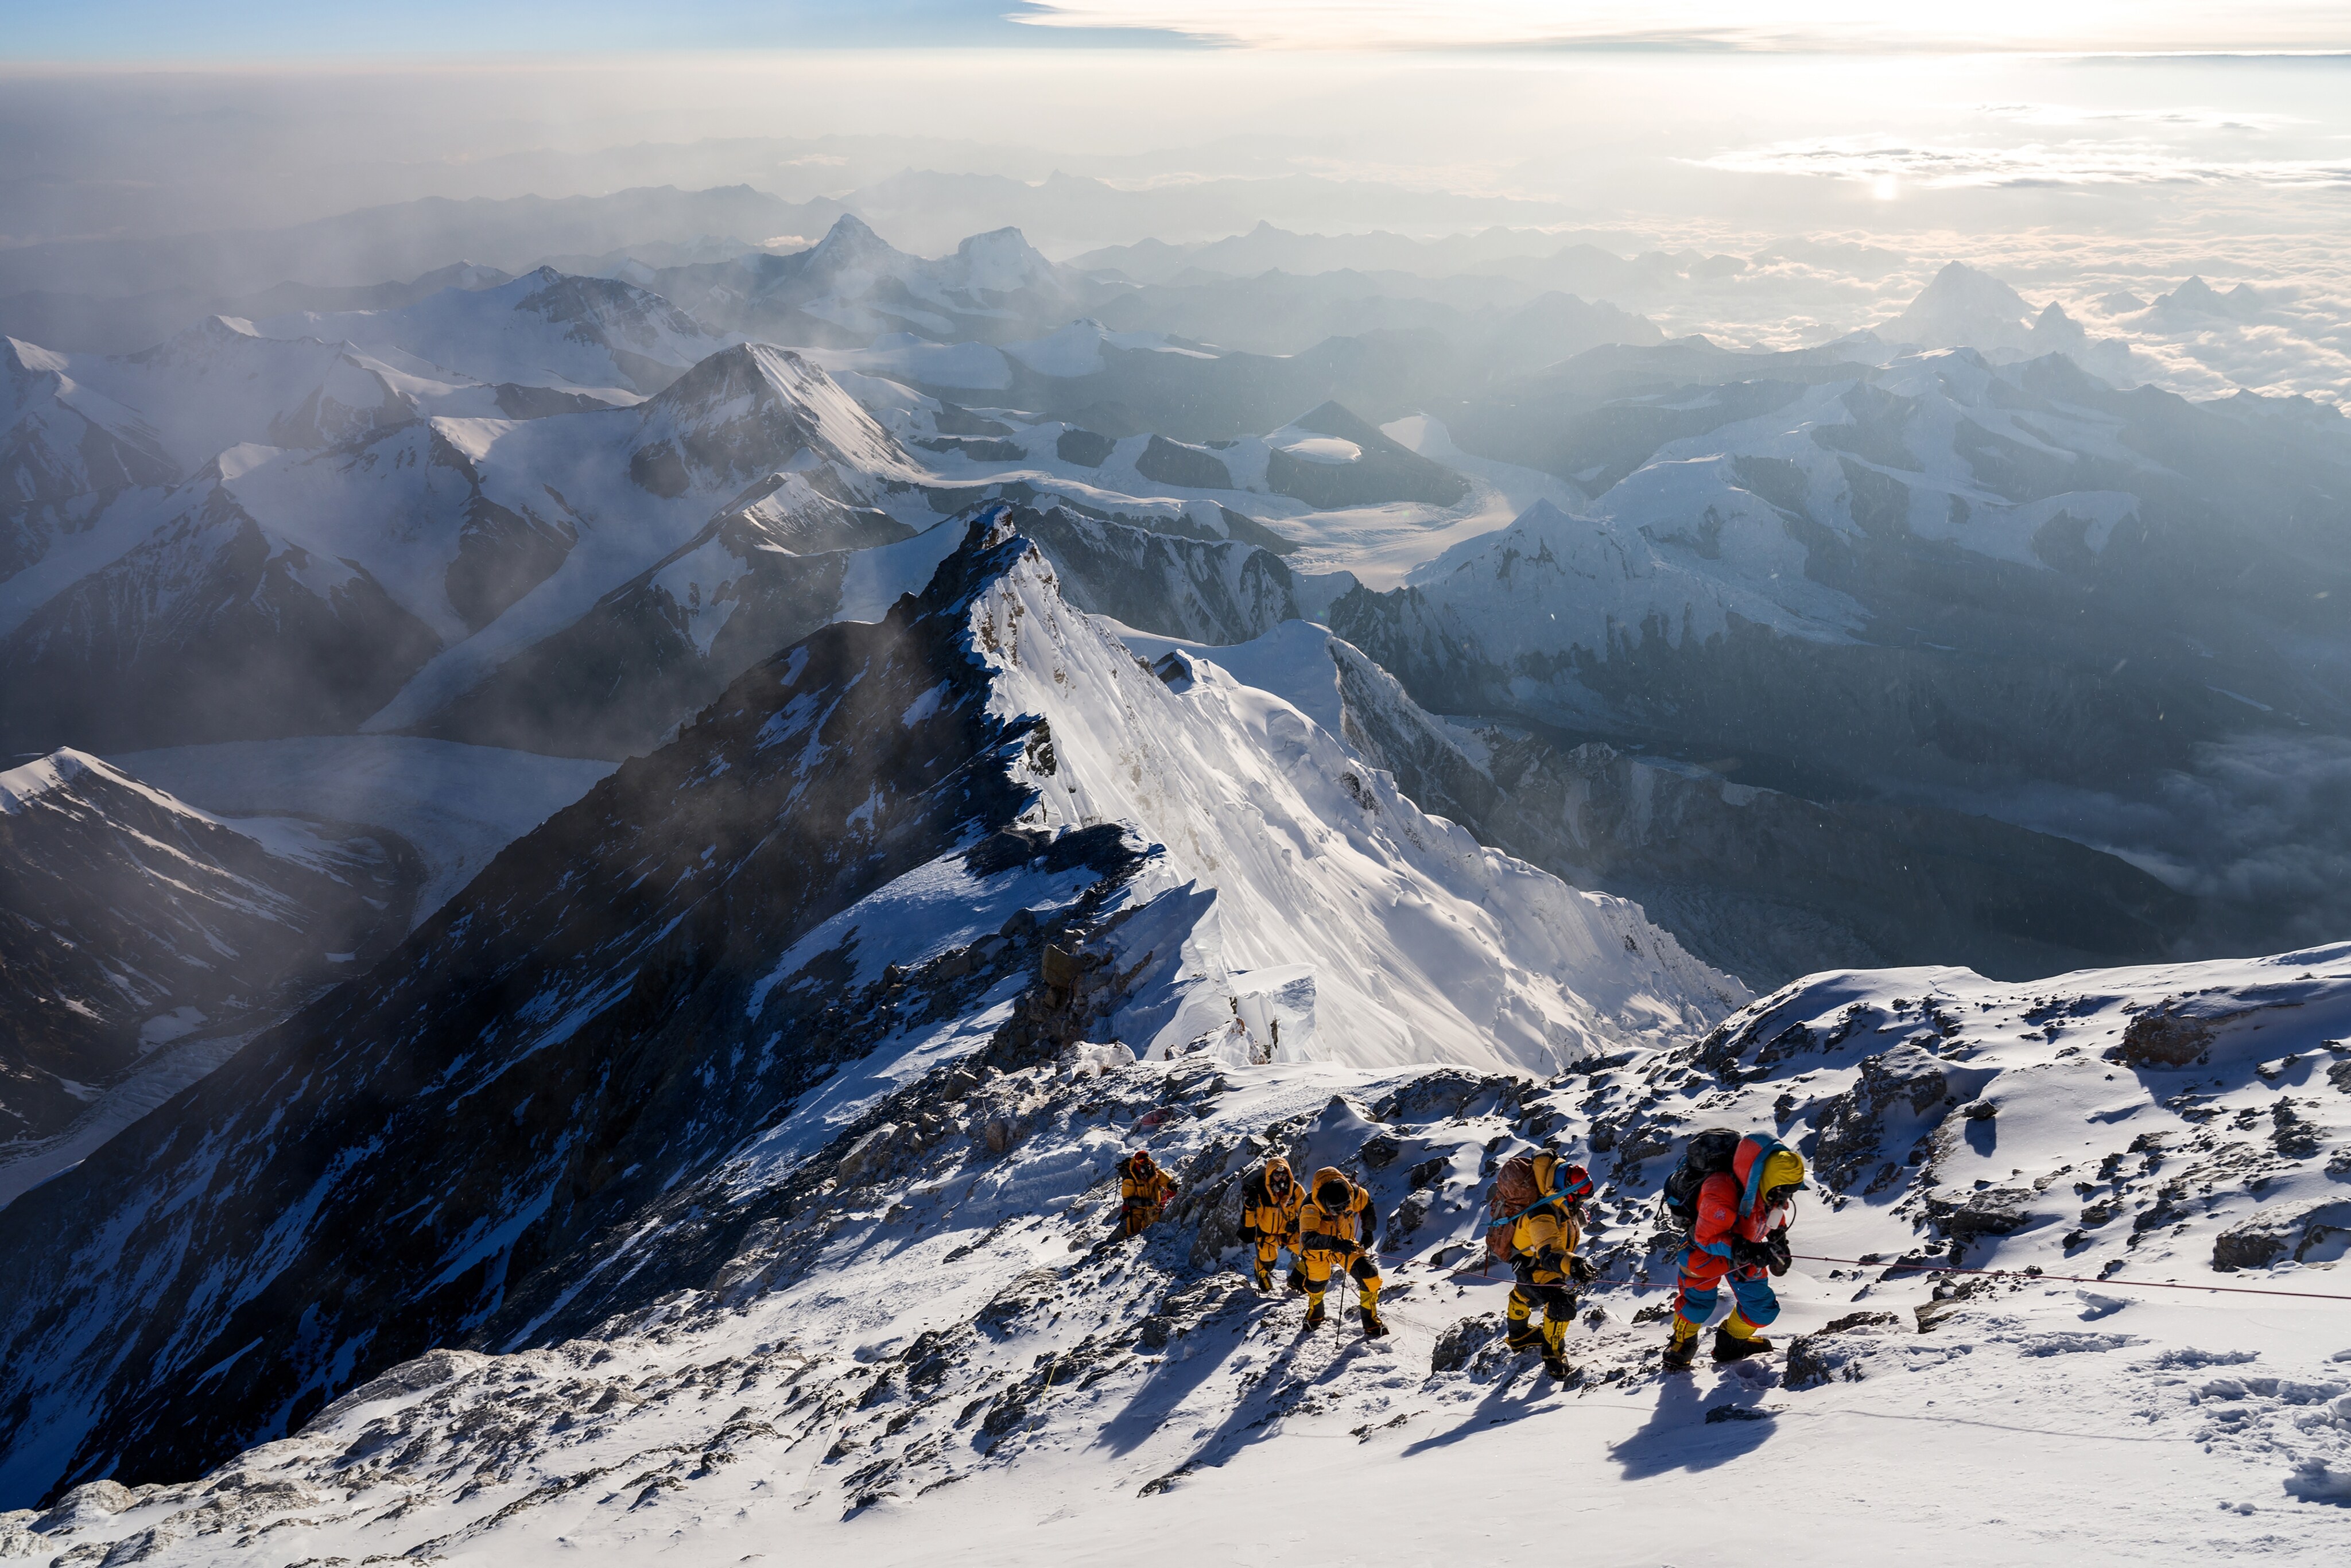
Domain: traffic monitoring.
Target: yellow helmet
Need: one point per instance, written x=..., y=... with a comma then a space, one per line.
x=1783, y=1172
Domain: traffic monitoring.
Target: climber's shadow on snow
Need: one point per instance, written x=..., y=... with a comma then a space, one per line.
x=1205, y=1349
x=1523, y=1393
x=1684, y=1432
x=1280, y=1387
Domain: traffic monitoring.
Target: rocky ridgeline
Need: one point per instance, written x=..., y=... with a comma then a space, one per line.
x=929, y=1298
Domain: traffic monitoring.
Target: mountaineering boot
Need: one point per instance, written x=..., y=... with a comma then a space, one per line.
x=1554, y=1350
x=1313, y=1310
x=1738, y=1339
x=1368, y=1301
x=1264, y=1278
x=1682, y=1348
x=1522, y=1334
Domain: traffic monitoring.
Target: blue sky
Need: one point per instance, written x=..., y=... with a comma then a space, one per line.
x=214, y=30
x=247, y=29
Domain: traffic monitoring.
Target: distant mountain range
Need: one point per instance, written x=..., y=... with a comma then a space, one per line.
x=560, y=513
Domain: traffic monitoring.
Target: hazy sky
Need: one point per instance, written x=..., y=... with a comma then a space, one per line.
x=177, y=30
x=1982, y=133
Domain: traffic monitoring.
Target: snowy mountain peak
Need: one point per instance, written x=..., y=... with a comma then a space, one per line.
x=746, y=411
x=23, y=359
x=21, y=785
x=1002, y=261
x=135, y=921
x=1962, y=307
x=849, y=244
x=1543, y=514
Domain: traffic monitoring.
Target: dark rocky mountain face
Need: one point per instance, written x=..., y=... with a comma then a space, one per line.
x=129, y=921
x=203, y=631
x=1766, y=884
x=468, y=1144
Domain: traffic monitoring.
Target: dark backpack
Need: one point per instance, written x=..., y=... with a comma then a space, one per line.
x=1706, y=1154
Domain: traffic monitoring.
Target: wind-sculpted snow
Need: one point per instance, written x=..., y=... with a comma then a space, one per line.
x=921, y=1353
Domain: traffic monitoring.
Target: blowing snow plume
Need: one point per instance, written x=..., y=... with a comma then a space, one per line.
x=566, y=1094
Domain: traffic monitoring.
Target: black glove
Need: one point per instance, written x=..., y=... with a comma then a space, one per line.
x=1746, y=1254
x=1775, y=1249
x=1582, y=1269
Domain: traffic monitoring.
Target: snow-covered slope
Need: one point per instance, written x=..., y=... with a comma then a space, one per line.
x=1408, y=940
x=599, y=335
x=295, y=591
x=1881, y=572
x=134, y=923
x=919, y=1355
x=1723, y=526
x=1764, y=884
x=849, y=868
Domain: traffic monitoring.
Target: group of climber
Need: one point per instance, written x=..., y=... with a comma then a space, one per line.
x=1732, y=1195
x=1330, y=1229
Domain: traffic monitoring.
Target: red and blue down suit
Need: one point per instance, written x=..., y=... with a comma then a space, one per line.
x=1731, y=1210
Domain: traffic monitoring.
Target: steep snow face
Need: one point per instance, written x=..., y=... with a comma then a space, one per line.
x=924, y=1357
x=1415, y=943
x=609, y=339
x=727, y=420
x=545, y=518
x=61, y=437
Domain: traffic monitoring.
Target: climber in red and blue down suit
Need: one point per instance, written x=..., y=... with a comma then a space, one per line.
x=1741, y=1232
